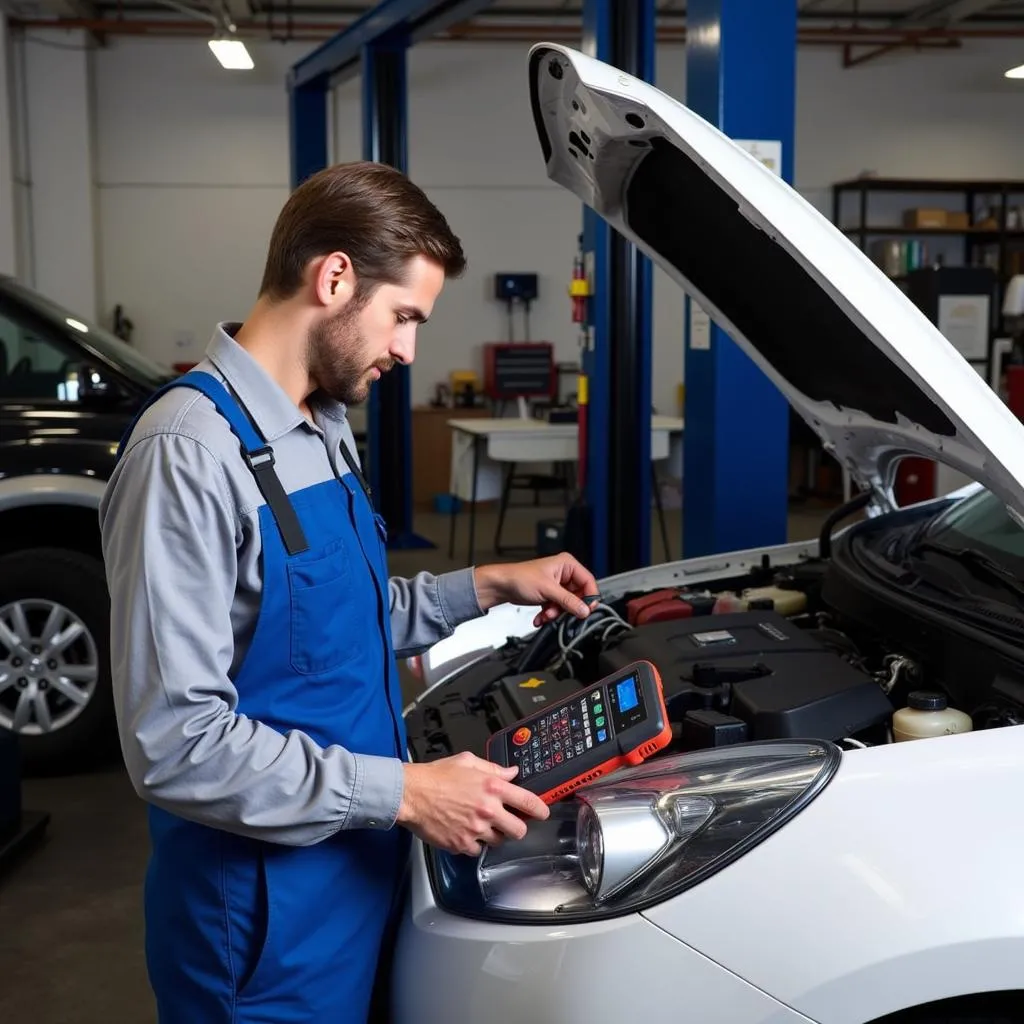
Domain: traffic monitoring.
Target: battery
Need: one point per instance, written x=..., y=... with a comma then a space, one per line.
x=664, y=605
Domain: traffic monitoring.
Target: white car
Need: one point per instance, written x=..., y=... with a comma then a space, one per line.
x=785, y=859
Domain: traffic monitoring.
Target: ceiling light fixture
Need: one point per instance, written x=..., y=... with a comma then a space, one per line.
x=1017, y=72
x=232, y=54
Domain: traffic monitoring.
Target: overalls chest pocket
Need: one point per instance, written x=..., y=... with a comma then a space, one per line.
x=326, y=627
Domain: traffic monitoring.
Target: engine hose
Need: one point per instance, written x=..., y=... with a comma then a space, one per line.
x=540, y=648
x=837, y=516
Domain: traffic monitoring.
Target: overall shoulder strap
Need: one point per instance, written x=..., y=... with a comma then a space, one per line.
x=258, y=455
x=355, y=470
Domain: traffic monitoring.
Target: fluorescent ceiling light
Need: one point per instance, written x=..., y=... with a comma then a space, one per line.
x=232, y=54
x=1017, y=72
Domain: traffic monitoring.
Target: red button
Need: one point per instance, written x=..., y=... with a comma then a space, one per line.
x=521, y=736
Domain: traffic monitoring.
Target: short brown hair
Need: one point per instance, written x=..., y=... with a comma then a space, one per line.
x=368, y=210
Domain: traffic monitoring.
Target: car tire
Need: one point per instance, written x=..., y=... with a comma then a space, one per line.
x=996, y=1016
x=971, y=1019
x=73, y=587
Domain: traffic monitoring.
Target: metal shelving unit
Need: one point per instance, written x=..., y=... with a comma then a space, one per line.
x=994, y=236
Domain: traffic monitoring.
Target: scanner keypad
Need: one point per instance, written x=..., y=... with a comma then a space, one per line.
x=560, y=736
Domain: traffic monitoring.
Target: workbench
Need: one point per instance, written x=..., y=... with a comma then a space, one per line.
x=480, y=447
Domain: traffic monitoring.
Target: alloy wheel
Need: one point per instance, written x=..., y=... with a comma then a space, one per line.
x=49, y=666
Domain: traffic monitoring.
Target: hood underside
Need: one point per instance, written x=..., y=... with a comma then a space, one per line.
x=863, y=366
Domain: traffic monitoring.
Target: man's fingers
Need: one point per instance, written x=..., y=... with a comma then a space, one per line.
x=557, y=599
x=523, y=800
x=496, y=769
x=577, y=576
x=493, y=836
x=509, y=826
x=572, y=604
x=548, y=613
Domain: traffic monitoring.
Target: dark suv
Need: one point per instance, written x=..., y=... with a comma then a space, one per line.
x=68, y=391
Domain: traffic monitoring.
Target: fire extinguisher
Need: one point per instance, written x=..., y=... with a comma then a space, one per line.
x=579, y=288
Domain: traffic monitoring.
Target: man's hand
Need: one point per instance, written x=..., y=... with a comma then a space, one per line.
x=557, y=583
x=459, y=802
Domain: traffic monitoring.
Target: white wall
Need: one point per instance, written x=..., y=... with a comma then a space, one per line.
x=183, y=148
x=192, y=169
x=18, y=228
x=8, y=220
x=940, y=114
x=58, y=111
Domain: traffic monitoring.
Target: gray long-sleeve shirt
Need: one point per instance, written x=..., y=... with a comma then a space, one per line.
x=181, y=545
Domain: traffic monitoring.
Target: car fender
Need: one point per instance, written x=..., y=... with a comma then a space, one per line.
x=900, y=884
x=93, y=457
x=50, y=489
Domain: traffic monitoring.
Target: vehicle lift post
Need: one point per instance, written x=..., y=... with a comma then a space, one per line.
x=617, y=360
x=375, y=43
x=741, y=77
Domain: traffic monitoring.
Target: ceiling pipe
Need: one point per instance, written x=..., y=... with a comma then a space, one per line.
x=309, y=31
x=314, y=31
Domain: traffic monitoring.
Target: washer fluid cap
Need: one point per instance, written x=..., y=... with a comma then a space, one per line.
x=921, y=700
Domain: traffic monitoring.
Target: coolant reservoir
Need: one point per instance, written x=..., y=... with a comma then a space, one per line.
x=785, y=602
x=927, y=715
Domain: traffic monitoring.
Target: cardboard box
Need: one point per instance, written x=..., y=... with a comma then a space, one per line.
x=924, y=217
x=959, y=220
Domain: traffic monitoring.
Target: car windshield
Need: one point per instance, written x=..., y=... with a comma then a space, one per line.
x=101, y=341
x=982, y=522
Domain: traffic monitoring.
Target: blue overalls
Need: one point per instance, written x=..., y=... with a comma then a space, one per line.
x=241, y=931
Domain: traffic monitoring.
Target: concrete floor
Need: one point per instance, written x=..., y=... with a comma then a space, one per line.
x=71, y=931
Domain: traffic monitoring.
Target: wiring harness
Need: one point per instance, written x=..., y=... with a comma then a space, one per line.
x=603, y=620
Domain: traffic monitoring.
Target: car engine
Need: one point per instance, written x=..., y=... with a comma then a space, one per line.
x=757, y=659
x=811, y=650
x=750, y=675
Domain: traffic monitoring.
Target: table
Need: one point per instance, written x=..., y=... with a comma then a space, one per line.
x=479, y=446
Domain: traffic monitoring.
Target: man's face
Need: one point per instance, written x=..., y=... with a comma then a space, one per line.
x=367, y=337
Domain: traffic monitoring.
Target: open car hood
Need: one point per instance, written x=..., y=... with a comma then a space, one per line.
x=873, y=377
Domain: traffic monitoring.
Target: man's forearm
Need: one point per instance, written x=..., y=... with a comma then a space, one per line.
x=428, y=608
x=232, y=773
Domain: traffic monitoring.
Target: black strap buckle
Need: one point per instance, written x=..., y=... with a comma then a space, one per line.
x=259, y=457
x=261, y=465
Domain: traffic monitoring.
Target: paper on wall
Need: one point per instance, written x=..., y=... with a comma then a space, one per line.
x=768, y=151
x=700, y=327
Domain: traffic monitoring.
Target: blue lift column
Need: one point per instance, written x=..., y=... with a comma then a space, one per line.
x=307, y=124
x=618, y=363
x=740, y=76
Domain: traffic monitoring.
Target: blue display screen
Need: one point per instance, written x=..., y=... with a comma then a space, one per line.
x=627, y=695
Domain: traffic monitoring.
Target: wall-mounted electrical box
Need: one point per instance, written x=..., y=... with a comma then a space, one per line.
x=515, y=287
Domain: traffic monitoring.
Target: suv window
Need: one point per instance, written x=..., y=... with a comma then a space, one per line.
x=109, y=347
x=33, y=365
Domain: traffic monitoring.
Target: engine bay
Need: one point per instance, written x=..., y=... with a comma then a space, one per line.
x=810, y=650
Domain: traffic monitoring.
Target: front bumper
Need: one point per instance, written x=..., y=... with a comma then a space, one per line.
x=449, y=970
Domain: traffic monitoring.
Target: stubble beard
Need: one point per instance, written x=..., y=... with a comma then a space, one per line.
x=334, y=352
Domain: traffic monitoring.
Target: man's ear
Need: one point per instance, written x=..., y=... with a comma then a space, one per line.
x=334, y=280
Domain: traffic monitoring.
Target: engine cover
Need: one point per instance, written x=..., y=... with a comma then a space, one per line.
x=758, y=667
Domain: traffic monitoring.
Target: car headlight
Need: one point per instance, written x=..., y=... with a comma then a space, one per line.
x=639, y=837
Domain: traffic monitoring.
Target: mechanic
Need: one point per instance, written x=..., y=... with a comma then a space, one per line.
x=254, y=630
